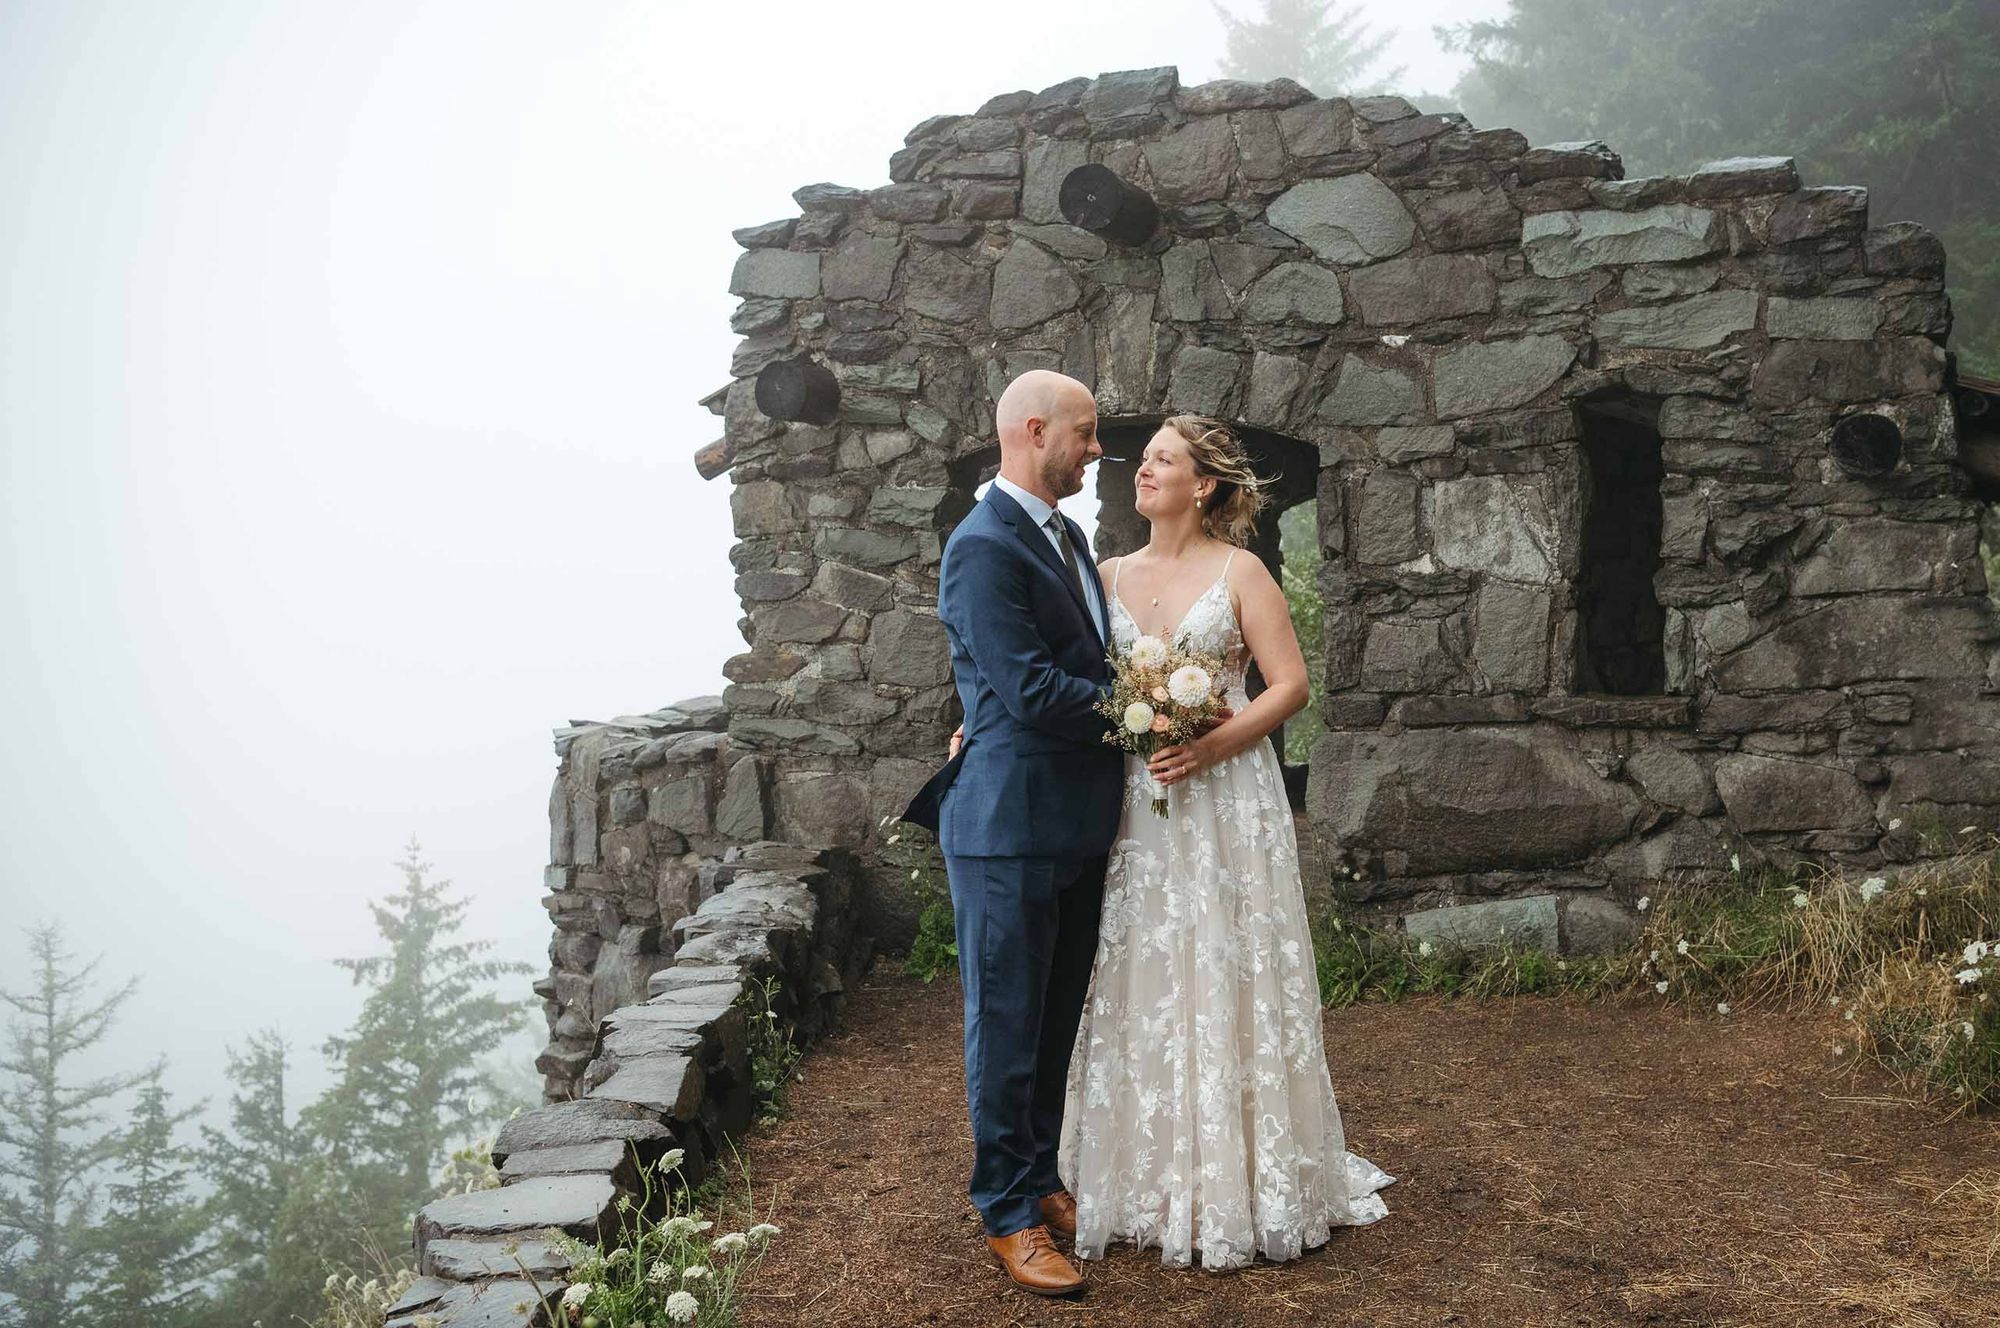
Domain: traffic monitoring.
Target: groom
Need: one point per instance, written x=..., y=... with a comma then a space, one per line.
x=1026, y=810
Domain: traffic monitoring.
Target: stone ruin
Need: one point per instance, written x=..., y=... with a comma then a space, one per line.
x=1649, y=538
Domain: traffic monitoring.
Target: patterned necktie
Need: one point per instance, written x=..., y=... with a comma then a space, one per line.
x=1068, y=554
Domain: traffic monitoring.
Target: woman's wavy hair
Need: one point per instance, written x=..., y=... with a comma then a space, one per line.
x=1231, y=511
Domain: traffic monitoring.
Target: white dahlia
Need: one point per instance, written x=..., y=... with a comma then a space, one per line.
x=1138, y=717
x=1190, y=685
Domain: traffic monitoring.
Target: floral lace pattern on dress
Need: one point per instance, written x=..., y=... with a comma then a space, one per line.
x=1200, y=1115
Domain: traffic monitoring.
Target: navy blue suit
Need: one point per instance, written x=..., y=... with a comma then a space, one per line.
x=1025, y=814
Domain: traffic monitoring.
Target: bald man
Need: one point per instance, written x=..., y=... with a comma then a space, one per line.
x=1026, y=810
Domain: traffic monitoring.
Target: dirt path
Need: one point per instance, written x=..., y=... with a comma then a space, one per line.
x=1559, y=1163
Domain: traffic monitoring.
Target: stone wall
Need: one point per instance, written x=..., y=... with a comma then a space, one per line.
x=645, y=817
x=1645, y=536
x=670, y=1068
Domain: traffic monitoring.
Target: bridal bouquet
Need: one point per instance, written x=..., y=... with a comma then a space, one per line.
x=1160, y=697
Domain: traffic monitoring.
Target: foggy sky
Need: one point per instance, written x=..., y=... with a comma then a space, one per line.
x=348, y=366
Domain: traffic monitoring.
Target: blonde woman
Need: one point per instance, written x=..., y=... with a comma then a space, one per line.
x=1200, y=1115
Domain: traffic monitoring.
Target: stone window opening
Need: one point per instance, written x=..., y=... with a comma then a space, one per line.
x=1620, y=623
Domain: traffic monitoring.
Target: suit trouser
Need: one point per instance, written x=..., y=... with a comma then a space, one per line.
x=1027, y=933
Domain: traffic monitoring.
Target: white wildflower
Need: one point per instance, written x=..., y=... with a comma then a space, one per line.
x=660, y=1273
x=1801, y=899
x=1645, y=902
x=1661, y=986
x=680, y=1228
x=733, y=1243
x=1895, y=823
x=1966, y=1028
x=673, y=1158
x=1562, y=965
x=1849, y=1015
x=1967, y=976
x=1653, y=958
x=1735, y=863
x=762, y=1231
x=1424, y=949
x=574, y=1297
x=1190, y=685
x=1722, y=1007
x=1138, y=717
x=617, y=1257
x=1977, y=951
x=1839, y=1050
x=694, y=1272
x=914, y=873
x=682, y=1307
x=1872, y=887
x=1681, y=946
x=1148, y=652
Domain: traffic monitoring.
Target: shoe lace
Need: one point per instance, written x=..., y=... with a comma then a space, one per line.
x=1039, y=1239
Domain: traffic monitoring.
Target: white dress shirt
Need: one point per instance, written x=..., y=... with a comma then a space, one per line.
x=1039, y=513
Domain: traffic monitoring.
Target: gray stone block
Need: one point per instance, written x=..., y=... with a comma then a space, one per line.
x=1841, y=318
x=1350, y=219
x=776, y=274
x=466, y=1260
x=668, y=1084
x=1423, y=289
x=1467, y=801
x=579, y=1205
x=1496, y=524
x=1304, y=291
x=861, y=267
x=1204, y=381
x=743, y=813
x=909, y=649
x=503, y=1303
x=1594, y=925
x=1030, y=286
x=1195, y=161
x=1368, y=393
x=1560, y=243
x=1694, y=323
x=1525, y=923
x=1385, y=528
x=1770, y=793
x=1477, y=377
x=1510, y=642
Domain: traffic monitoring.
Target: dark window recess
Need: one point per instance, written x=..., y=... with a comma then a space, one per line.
x=1620, y=626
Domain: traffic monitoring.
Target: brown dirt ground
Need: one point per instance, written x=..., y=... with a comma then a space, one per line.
x=1559, y=1163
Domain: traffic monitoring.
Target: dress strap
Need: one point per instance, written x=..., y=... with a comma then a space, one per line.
x=1227, y=561
x=1118, y=566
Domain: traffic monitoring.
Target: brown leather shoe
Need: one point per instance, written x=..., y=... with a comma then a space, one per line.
x=1059, y=1211
x=1031, y=1258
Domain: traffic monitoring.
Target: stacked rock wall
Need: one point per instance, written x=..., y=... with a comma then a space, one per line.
x=671, y=1069
x=1607, y=592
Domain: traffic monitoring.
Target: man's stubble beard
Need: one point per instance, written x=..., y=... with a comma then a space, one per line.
x=1062, y=481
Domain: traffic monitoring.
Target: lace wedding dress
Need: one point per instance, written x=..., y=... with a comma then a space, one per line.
x=1200, y=1115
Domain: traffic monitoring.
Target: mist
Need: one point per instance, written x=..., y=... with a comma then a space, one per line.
x=351, y=359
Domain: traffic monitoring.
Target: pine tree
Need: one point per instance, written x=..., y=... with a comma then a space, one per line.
x=154, y=1237
x=410, y=1085
x=51, y=1133
x=254, y=1168
x=1315, y=42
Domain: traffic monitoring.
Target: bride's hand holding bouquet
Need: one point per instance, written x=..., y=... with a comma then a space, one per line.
x=1162, y=699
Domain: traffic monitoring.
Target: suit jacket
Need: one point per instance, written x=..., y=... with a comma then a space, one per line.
x=1034, y=777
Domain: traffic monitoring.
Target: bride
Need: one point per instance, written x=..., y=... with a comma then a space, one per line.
x=1200, y=1116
